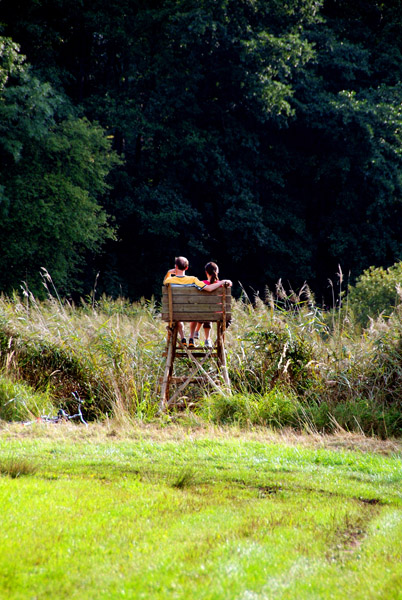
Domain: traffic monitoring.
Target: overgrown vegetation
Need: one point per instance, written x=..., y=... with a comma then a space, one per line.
x=290, y=363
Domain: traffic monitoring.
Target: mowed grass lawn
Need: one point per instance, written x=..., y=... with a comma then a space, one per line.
x=169, y=513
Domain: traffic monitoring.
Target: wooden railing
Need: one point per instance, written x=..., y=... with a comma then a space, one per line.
x=180, y=303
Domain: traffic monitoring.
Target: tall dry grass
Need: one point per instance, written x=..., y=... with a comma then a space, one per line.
x=336, y=374
x=109, y=352
x=290, y=362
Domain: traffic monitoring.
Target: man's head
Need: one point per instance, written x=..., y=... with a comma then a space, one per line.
x=181, y=263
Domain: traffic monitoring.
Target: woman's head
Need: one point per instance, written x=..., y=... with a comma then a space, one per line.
x=212, y=270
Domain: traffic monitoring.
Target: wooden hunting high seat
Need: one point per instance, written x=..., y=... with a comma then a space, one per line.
x=181, y=303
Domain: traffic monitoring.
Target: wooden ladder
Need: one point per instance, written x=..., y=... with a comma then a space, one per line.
x=180, y=303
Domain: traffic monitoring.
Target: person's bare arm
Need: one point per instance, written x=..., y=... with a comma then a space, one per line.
x=218, y=284
x=170, y=272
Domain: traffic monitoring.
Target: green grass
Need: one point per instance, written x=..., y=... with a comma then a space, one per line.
x=182, y=514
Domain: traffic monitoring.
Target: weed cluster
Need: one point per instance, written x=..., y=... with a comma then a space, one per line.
x=14, y=467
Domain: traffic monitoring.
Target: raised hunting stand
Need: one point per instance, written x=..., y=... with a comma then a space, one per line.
x=181, y=303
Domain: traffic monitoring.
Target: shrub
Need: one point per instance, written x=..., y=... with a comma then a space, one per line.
x=375, y=292
x=290, y=364
x=48, y=365
x=109, y=352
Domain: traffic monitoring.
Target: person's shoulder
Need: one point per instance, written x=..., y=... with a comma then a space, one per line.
x=198, y=283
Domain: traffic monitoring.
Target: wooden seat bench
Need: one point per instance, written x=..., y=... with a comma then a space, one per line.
x=186, y=304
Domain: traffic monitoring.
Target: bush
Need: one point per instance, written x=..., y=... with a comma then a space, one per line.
x=273, y=355
x=375, y=292
x=47, y=365
x=275, y=409
x=289, y=363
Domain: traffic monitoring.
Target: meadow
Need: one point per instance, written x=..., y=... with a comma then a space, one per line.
x=289, y=487
x=174, y=512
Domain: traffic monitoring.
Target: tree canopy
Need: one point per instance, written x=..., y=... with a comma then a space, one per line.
x=265, y=135
x=53, y=170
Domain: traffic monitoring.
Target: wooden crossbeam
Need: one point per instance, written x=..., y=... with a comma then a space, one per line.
x=190, y=378
x=193, y=316
x=183, y=378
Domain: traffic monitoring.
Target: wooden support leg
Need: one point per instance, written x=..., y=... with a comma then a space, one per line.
x=220, y=344
x=171, y=352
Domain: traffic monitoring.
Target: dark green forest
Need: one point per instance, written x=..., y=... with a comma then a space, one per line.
x=263, y=134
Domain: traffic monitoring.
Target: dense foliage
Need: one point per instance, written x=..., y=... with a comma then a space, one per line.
x=262, y=134
x=53, y=169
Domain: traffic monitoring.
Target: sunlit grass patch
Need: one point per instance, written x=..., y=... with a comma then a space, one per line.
x=276, y=408
x=183, y=515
